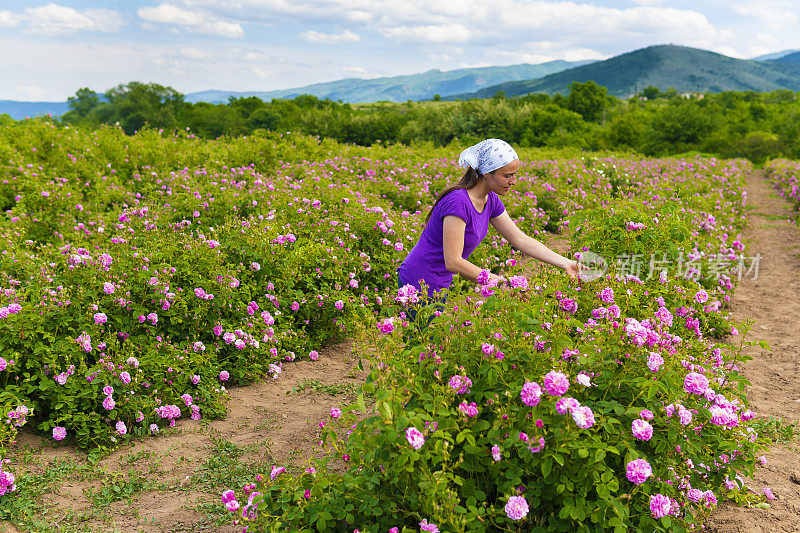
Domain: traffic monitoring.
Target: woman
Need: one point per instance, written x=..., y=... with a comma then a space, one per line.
x=460, y=218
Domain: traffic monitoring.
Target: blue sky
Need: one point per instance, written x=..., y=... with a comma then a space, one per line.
x=51, y=49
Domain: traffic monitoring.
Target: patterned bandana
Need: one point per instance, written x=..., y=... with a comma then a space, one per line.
x=487, y=156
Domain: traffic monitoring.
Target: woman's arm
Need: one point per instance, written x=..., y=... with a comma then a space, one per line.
x=453, y=229
x=530, y=246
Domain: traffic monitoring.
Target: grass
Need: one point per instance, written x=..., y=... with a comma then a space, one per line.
x=118, y=486
x=316, y=386
x=777, y=430
x=26, y=506
x=224, y=468
x=769, y=216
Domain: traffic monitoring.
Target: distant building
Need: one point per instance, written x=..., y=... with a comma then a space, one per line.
x=693, y=95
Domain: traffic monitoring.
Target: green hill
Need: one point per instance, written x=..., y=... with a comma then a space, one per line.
x=774, y=55
x=794, y=57
x=402, y=88
x=663, y=66
x=19, y=110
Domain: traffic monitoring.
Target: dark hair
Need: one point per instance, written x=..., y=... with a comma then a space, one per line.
x=469, y=180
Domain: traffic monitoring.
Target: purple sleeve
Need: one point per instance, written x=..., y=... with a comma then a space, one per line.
x=497, y=207
x=454, y=204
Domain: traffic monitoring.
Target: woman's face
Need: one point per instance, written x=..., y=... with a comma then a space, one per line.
x=501, y=180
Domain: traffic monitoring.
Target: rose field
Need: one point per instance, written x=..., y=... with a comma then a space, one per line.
x=147, y=278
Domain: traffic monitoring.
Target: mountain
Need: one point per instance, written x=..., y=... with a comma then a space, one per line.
x=794, y=57
x=20, y=110
x=395, y=88
x=774, y=55
x=401, y=88
x=663, y=66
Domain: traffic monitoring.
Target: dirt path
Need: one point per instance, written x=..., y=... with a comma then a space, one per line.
x=172, y=482
x=773, y=302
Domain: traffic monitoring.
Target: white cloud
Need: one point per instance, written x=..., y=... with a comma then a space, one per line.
x=223, y=28
x=194, y=20
x=545, y=52
x=577, y=23
x=440, y=58
x=169, y=14
x=432, y=33
x=260, y=72
x=193, y=53
x=775, y=15
x=8, y=19
x=254, y=56
x=358, y=16
x=53, y=19
x=31, y=92
x=330, y=38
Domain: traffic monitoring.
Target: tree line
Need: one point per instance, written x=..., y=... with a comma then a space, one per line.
x=654, y=123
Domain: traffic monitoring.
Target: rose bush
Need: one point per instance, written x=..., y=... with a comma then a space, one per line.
x=785, y=177
x=601, y=406
x=143, y=274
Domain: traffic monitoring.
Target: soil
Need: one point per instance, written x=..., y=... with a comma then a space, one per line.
x=772, y=301
x=277, y=421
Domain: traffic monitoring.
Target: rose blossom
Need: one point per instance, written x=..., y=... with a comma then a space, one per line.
x=607, y=295
x=516, y=508
x=638, y=470
x=701, y=296
x=654, y=362
x=471, y=409
x=425, y=526
x=659, y=505
x=555, y=383
x=695, y=383
x=531, y=394
x=59, y=433
x=564, y=405
x=109, y=403
x=583, y=416
x=460, y=384
x=415, y=438
x=642, y=429
x=496, y=454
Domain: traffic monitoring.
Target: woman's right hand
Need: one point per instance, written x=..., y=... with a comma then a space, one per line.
x=500, y=279
x=572, y=269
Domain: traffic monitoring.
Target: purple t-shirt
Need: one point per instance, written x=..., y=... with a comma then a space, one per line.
x=426, y=259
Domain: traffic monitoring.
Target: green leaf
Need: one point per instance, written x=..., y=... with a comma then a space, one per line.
x=547, y=466
x=599, y=455
x=384, y=409
x=360, y=402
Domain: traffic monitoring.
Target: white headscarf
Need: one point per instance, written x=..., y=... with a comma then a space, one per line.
x=487, y=156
